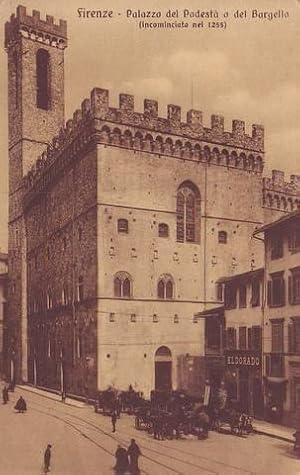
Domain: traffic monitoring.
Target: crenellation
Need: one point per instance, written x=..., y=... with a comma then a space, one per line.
x=295, y=181
x=258, y=132
x=33, y=27
x=50, y=19
x=217, y=123
x=151, y=108
x=279, y=194
x=126, y=102
x=238, y=128
x=36, y=15
x=77, y=117
x=278, y=178
x=99, y=102
x=174, y=113
x=85, y=107
x=194, y=119
x=21, y=11
x=140, y=131
x=69, y=125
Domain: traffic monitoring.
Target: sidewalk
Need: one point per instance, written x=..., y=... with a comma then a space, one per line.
x=50, y=395
x=260, y=427
x=274, y=430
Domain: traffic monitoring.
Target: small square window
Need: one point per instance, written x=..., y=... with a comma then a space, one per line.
x=155, y=318
x=163, y=230
x=122, y=226
x=133, y=317
x=111, y=317
x=176, y=318
x=222, y=237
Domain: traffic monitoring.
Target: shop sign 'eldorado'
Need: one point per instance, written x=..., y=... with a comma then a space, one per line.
x=242, y=358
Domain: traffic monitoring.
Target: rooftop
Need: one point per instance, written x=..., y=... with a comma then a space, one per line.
x=279, y=222
x=249, y=275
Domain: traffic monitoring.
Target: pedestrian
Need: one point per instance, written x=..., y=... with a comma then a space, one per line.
x=5, y=395
x=121, y=460
x=114, y=421
x=204, y=423
x=11, y=386
x=21, y=405
x=133, y=454
x=47, y=458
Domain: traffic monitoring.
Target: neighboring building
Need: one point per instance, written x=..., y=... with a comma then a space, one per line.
x=233, y=337
x=244, y=297
x=3, y=302
x=120, y=229
x=282, y=316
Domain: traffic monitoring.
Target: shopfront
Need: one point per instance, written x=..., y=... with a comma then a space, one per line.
x=243, y=380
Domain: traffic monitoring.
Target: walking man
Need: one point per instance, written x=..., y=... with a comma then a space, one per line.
x=47, y=458
x=133, y=454
x=5, y=395
x=121, y=460
x=114, y=420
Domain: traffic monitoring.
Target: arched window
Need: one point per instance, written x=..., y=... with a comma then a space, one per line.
x=49, y=299
x=161, y=289
x=126, y=288
x=188, y=213
x=122, y=285
x=163, y=230
x=222, y=237
x=65, y=296
x=117, y=287
x=80, y=293
x=165, y=287
x=43, y=79
x=169, y=290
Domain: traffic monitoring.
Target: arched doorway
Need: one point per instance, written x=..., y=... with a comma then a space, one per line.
x=163, y=369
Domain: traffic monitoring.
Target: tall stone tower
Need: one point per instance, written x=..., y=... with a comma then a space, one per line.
x=35, y=51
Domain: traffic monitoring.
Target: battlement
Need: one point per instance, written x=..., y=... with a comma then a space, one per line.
x=173, y=124
x=280, y=194
x=277, y=183
x=97, y=122
x=45, y=31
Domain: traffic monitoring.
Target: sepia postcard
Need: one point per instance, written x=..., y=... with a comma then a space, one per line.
x=150, y=237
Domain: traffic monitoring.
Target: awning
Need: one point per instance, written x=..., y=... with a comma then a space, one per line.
x=276, y=380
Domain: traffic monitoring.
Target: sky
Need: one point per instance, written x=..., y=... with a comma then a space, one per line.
x=249, y=71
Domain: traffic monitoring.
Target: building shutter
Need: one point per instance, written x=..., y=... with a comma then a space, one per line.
x=282, y=292
x=250, y=343
x=268, y=365
x=290, y=290
x=291, y=338
x=269, y=293
x=234, y=339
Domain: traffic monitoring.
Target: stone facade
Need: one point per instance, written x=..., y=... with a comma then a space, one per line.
x=3, y=302
x=30, y=130
x=101, y=223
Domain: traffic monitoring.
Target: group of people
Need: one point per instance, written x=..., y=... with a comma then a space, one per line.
x=127, y=460
x=20, y=405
